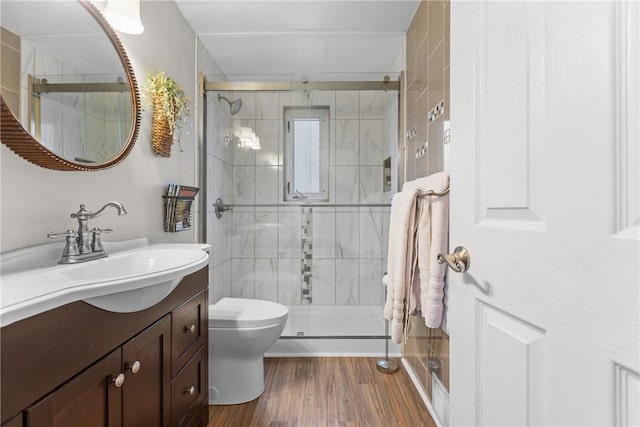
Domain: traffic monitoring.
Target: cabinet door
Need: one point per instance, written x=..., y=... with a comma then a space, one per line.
x=89, y=399
x=146, y=362
x=16, y=421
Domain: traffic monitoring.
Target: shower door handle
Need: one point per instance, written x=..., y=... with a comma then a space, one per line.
x=458, y=261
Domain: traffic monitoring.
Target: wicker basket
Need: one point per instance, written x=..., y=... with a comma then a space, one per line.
x=161, y=136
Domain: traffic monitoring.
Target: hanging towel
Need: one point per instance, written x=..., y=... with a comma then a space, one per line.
x=432, y=238
x=401, y=260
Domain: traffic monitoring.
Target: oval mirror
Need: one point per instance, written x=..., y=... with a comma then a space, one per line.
x=69, y=96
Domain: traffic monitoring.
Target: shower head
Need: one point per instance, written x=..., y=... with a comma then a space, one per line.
x=234, y=106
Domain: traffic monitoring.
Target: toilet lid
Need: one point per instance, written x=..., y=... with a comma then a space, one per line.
x=245, y=313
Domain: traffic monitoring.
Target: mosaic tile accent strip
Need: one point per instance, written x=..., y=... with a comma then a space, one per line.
x=422, y=150
x=307, y=256
x=436, y=111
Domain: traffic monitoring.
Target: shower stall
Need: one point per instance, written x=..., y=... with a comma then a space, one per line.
x=305, y=218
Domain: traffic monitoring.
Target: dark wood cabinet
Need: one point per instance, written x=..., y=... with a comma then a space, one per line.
x=89, y=399
x=65, y=367
x=146, y=398
x=189, y=389
x=16, y=421
x=189, y=326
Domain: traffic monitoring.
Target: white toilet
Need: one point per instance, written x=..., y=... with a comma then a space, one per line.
x=240, y=332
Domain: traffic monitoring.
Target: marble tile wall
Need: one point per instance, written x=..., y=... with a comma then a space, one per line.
x=219, y=184
x=343, y=249
x=93, y=128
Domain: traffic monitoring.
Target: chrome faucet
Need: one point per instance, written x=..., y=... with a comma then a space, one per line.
x=79, y=247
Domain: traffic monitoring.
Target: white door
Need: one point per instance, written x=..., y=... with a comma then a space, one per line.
x=544, y=177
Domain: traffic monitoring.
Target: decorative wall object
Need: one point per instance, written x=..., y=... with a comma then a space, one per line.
x=177, y=207
x=171, y=107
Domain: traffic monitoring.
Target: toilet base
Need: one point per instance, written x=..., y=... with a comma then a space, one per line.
x=234, y=381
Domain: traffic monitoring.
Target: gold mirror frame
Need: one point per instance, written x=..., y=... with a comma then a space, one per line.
x=20, y=141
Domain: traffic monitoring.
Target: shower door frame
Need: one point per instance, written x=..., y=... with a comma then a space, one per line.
x=264, y=86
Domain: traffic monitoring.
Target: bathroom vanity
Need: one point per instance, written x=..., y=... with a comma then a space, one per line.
x=79, y=365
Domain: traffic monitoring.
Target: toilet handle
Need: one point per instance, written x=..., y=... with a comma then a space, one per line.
x=191, y=329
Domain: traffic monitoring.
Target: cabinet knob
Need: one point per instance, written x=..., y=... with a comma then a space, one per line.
x=118, y=381
x=190, y=390
x=191, y=329
x=133, y=367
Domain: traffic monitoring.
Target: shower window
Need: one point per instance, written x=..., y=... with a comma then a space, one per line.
x=306, y=153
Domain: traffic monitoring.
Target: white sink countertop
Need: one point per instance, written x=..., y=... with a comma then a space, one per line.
x=133, y=277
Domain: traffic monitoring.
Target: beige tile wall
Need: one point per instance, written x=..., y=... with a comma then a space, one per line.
x=10, y=63
x=427, y=77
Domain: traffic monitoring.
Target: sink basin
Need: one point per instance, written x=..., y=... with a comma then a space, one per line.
x=129, y=280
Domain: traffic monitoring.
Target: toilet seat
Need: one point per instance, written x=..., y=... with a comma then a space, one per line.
x=245, y=313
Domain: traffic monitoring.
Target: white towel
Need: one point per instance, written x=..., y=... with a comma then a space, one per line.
x=400, y=262
x=432, y=239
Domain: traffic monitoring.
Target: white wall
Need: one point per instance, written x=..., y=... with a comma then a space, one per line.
x=35, y=201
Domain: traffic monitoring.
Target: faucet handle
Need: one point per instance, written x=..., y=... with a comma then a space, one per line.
x=96, y=243
x=71, y=243
x=68, y=233
x=98, y=230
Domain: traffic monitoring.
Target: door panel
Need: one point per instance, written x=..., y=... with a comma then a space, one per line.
x=511, y=357
x=628, y=125
x=544, y=177
x=508, y=110
x=89, y=399
x=146, y=393
x=627, y=393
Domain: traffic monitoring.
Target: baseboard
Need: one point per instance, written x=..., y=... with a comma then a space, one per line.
x=339, y=347
x=423, y=394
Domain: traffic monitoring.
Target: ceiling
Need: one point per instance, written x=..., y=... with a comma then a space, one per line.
x=302, y=39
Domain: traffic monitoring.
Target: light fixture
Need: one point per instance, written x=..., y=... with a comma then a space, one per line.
x=124, y=15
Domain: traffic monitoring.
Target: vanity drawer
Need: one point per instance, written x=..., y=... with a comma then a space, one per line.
x=189, y=389
x=188, y=330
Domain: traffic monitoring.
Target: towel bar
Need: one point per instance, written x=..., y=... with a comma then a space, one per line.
x=431, y=193
x=434, y=193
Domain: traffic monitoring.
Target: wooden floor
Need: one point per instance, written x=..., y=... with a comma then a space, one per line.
x=323, y=392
